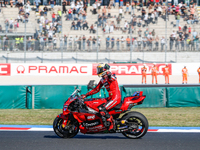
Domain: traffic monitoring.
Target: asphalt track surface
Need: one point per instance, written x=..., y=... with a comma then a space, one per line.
x=21, y=140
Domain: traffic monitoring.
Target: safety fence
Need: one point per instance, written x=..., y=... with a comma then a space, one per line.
x=54, y=96
x=92, y=45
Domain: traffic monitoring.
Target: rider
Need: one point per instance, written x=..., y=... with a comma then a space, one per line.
x=109, y=81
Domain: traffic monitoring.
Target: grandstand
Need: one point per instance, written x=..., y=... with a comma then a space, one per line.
x=159, y=26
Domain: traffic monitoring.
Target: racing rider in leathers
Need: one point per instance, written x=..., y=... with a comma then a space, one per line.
x=109, y=81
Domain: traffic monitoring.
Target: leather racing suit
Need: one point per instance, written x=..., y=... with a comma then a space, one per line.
x=109, y=81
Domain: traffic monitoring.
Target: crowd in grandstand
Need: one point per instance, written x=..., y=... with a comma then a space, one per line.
x=182, y=36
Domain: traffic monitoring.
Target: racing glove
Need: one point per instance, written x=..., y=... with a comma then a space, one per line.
x=83, y=96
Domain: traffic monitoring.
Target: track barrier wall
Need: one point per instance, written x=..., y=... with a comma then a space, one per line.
x=183, y=97
x=54, y=96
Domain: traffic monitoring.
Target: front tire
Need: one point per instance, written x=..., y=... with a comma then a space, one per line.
x=69, y=131
x=137, y=124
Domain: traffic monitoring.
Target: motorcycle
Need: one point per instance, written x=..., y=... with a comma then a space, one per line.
x=83, y=115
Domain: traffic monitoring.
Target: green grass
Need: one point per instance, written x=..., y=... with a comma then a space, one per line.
x=181, y=117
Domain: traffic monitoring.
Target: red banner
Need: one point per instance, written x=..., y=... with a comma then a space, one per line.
x=133, y=69
x=5, y=69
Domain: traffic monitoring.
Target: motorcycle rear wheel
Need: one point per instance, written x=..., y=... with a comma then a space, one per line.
x=139, y=123
x=63, y=132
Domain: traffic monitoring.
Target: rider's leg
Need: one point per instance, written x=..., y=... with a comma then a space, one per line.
x=106, y=117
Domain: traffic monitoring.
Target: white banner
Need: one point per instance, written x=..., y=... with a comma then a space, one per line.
x=192, y=68
x=51, y=69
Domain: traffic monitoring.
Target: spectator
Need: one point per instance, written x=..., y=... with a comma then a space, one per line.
x=84, y=15
x=121, y=3
x=99, y=42
x=16, y=25
x=94, y=8
x=177, y=19
x=84, y=41
x=128, y=41
x=107, y=28
x=79, y=43
x=27, y=10
x=177, y=41
x=70, y=14
x=196, y=19
x=37, y=3
x=85, y=5
x=107, y=43
x=146, y=33
x=117, y=43
x=65, y=41
x=45, y=10
x=94, y=43
x=89, y=43
x=188, y=43
x=75, y=42
x=74, y=13
x=185, y=28
x=112, y=27
x=51, y=2
x=197, y=42
x=194, y=34
x=100, y=21
x=59, y=26
x=92, y=29
x=120, y=11
x=78, y=25
x=73, y=25
x=53, y=17
x=122, y=42
x=70, y=42
x=163, y=41
x=171, y=41
x=104, y=11
x=6, y=44
x=99, y=6
x=85, y=25
x=118, y=19
x=190, y=20
x=156, y=43
x=40, y=27
x=64, y=3
x=112, y=42
x=125, y=25
x=11, y=24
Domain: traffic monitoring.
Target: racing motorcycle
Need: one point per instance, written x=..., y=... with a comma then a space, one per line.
x=82, y=115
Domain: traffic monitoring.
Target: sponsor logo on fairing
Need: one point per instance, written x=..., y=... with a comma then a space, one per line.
x=90, y=124
x=91, y=117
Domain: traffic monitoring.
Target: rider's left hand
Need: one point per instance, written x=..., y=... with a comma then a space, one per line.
x=83, y=96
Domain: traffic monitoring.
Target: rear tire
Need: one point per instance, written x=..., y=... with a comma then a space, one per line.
x=138, y=124
x=63, y=132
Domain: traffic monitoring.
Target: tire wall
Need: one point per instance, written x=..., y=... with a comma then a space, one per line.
x=183, y=97
x=54, y=96
x=13, y=97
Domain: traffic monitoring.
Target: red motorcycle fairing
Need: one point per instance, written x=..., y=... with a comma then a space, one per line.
x=89, y=122
x=95, y=102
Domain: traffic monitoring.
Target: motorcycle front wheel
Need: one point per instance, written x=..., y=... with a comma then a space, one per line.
x=137, y=125
x=69, y=131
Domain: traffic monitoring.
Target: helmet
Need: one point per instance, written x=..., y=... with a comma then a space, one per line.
x=102, y=69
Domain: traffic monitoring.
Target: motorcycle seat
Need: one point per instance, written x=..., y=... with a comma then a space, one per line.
x=117, y=107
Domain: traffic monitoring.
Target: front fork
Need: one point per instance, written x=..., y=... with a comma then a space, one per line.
x=65, y=118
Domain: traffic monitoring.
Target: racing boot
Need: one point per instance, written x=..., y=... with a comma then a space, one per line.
x=112, y=124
